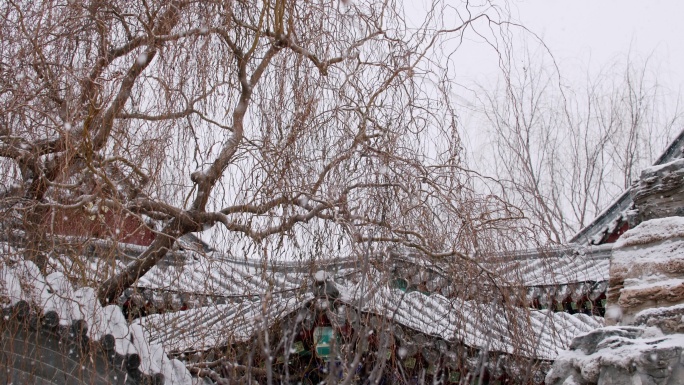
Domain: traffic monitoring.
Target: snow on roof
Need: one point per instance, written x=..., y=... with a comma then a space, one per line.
x=594, y=231
x=254, y=291
x=210, y=274
x=542, y=266
x=217, y=325
x=591, y=265
x=24, y=283
x=543, y=333
x=219, y=275
x=476, y=325
x=551, y=274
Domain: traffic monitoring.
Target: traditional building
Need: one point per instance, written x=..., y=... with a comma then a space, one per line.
x=203, y=317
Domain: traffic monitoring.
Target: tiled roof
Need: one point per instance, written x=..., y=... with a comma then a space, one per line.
x=217, y=275
x=218, y=325
x=556, y=266
x=238, y=294
x=474, y=324
x=547, y=274
x=212, y=274
x=453, y=320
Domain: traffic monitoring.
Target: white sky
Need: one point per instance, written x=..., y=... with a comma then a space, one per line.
x=590, y=33
x=585, y=37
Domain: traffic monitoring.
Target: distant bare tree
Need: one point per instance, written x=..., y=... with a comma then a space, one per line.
x=562, y=153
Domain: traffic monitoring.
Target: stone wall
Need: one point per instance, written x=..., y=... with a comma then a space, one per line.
x=647, y=269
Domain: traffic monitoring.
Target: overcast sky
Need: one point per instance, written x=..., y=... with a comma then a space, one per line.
x=591, y=33
x=584, y=38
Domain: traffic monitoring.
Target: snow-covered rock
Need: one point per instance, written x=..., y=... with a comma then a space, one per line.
x=621, y=355
x=645, y=296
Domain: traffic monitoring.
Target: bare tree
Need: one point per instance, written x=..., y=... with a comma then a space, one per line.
x=287, y=123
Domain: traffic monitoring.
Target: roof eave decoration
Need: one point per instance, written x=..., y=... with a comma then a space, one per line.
x=51, y=302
